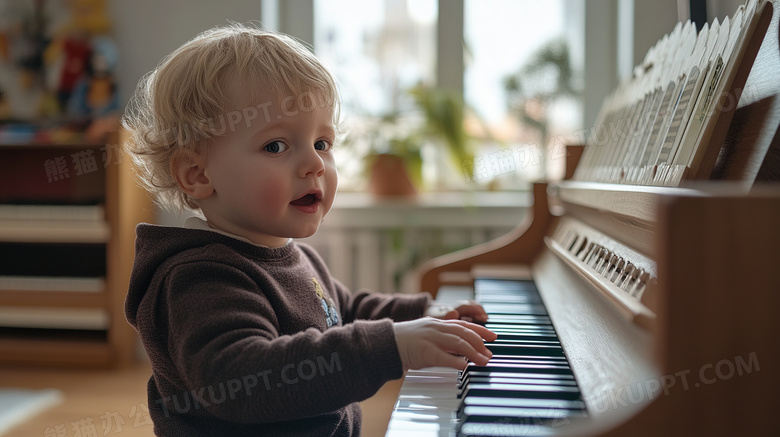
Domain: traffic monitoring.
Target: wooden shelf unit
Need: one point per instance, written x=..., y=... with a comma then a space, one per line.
x=51, y=231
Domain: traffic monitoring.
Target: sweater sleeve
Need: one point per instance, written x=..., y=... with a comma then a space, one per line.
x=364, y=304
x=224, y=343
x=368, y=305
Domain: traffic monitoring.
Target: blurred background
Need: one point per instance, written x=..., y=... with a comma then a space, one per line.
x=451, y=110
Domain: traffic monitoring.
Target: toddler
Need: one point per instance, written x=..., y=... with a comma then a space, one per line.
x=247, y=332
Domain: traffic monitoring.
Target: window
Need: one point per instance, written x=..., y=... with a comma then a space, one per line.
x=379, y=49
x=503, y=38
x=389, y=49
x=375, y=60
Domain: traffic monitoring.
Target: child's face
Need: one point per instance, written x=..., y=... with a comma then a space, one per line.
x=276, y=178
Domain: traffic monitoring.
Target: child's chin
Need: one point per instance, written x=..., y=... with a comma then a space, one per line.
x=305, y=233
x=309, y=234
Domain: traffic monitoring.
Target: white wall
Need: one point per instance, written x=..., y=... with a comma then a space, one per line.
x=600, y=74
x=147, y=30
x=618, y=34
x=722, y=8
x=652, y=20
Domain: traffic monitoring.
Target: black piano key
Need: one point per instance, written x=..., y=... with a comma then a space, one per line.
x=571, y=407
x=527, y=330
x=496, y=293
x=509, y=296
x=555, y=358
x=495, y=304
x=508, y=299
x=523, y=303
x=503, y=284
x=520, y=390
x=525, y=349
x=465, y=376
x=512, y=380
x=575, y=406
x=520, y=328
x=500, y=360
x=495, y=379
x=514, y=308
x=531, y=391
x=531, y=339
x=511, y=300
x=539, y=376
x=562, y=369
x=525, y=417
x=499, y=363
x=520, y=319
x=531, y=334
x=508, y=286
x=520, y=341
x=492, y=414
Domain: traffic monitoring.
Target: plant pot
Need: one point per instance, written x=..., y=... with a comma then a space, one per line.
x=389, y=177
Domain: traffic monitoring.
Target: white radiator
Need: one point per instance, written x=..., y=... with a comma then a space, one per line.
x=377, y=244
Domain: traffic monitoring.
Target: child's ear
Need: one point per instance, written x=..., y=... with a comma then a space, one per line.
x=189, y=169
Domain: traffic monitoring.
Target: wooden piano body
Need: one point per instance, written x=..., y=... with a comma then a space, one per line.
x=664, y=298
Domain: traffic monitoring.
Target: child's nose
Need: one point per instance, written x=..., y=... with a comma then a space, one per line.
x=311, y=164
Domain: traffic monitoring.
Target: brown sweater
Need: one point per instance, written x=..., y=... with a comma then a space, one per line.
x=239, y=340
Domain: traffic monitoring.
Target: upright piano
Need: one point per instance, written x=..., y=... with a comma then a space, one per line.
x=640, y=296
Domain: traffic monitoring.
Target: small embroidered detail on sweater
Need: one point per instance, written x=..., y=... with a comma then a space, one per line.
x=331, y=315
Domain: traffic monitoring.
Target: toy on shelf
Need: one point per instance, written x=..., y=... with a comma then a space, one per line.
x=57, y=69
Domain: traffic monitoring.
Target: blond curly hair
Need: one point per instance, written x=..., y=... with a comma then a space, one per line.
x=184, y=102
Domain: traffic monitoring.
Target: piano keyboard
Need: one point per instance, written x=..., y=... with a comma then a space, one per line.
x=527, y=388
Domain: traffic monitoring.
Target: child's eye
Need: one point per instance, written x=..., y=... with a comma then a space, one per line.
x=322, y=145
x=275, y=147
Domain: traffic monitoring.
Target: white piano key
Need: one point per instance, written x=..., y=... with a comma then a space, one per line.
x=426, y=404
x=409, y=428
x=507, y=429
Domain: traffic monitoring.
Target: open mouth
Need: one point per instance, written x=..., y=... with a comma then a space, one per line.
x=306, y=200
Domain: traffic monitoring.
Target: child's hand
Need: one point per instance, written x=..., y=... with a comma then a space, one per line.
x=428, y=342
x=467, y=310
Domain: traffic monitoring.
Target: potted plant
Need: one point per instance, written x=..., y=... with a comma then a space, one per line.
x=444, y=114
x=394, y=161
x=394, y=158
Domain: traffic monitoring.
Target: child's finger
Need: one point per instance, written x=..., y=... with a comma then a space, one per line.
x=473, y=311
x=451, y=314
x=449, y=360
x=480, y=330
x=460, y=331
x=454, y=345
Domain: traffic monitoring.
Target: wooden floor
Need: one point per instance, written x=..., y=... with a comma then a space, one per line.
x=108, y=402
